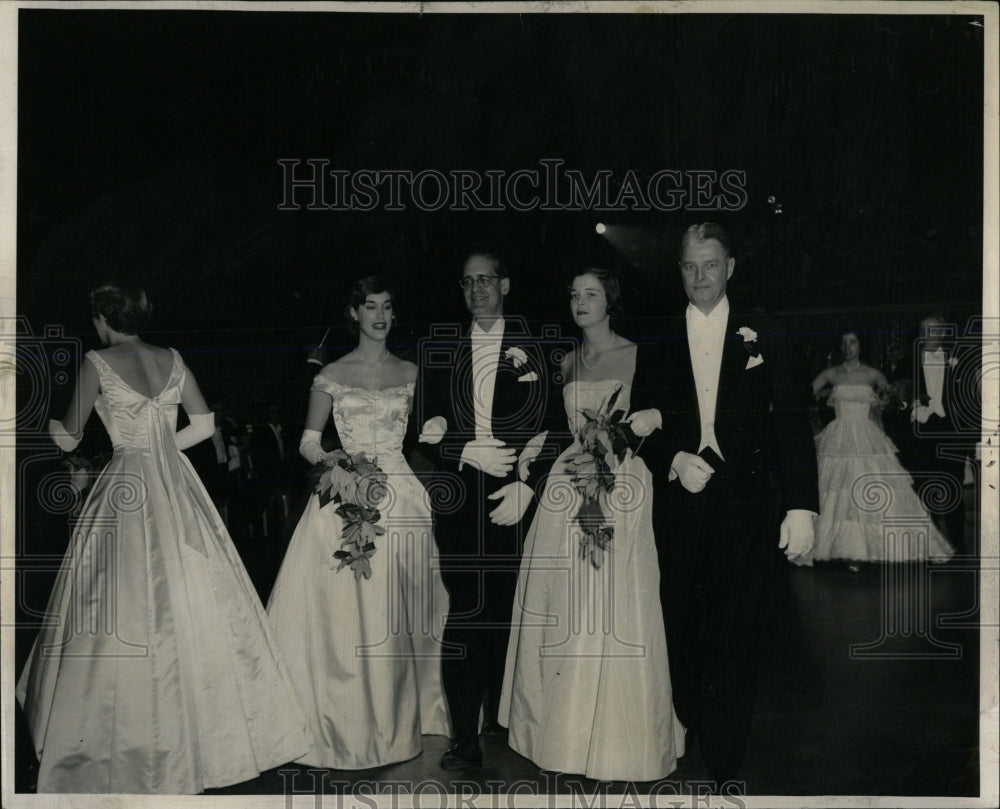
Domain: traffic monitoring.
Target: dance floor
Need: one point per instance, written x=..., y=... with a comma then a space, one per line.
x=870, y=687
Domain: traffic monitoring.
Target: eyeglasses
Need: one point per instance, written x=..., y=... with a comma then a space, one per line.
x=482, y=281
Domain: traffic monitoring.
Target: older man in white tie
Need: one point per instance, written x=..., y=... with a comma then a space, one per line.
x=739, y=497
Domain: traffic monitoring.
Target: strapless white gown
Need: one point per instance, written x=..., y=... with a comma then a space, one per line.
x=868, y=509
x=587, y=682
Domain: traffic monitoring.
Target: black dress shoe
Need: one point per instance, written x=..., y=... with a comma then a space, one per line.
x=492, y=728
x=461, y=757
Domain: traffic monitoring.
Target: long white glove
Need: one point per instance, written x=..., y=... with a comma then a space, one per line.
x=63, y=439
x=692, y=470
x=798, y=536
x=516, y=497
x=201, y=427
x=489, y=455
x=311, y=447
x=433, y=430
x=643, y=422
x=531, y=451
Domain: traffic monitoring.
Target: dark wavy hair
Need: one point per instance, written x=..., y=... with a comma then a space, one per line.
x=124, y=306
x=369, y=285
x=612, y=289
x=857, y=334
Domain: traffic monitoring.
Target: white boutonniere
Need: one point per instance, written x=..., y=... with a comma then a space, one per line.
x=517, y=356
x=952, y=362
x=750, y=345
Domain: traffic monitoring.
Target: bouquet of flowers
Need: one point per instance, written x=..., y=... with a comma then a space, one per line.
x=897, y=396
x=357, y=485
x=603, y=443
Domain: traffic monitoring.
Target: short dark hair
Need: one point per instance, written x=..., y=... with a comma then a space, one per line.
x=857, y=334
x=612, y=289
x=124, y=306
x=369, y=285
x=706, y=231
x=499, y=265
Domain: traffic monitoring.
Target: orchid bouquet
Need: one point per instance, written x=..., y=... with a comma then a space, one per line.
x=603, y=444
x=357, y=485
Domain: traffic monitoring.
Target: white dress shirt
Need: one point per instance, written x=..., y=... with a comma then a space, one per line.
x=485, y=358
x=934, y=363
x=706, y=339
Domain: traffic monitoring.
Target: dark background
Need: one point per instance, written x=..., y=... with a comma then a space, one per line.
x=148, y=144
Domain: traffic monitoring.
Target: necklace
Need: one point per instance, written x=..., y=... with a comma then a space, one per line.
x=600, y=354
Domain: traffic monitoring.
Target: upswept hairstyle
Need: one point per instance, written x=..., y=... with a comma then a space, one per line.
x=124, y=306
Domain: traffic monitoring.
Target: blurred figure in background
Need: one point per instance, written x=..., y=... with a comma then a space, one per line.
x=852, y=452
x=945, y=420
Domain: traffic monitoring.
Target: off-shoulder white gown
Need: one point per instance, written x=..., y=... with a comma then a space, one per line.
x=365, y=655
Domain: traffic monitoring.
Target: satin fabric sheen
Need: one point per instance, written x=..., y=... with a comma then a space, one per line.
x=587, y=682
x=864, y=490
x=365, y=655
x=156, y=670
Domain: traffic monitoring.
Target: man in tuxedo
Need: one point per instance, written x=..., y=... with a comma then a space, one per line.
x=488, y=389
x=945, y=408
x=741, y=488
x=271, y=457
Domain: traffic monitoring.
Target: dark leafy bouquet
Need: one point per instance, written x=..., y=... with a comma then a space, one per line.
x=898, y=396
x=357, y=485
x=603, y=444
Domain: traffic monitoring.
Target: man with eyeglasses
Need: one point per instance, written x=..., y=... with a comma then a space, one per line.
x=490, y=389
x=736, y=486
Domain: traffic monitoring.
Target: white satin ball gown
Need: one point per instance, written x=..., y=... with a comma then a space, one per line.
x=156, y=670
x=587, y=682
x=868, y=510
x=365, y=655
